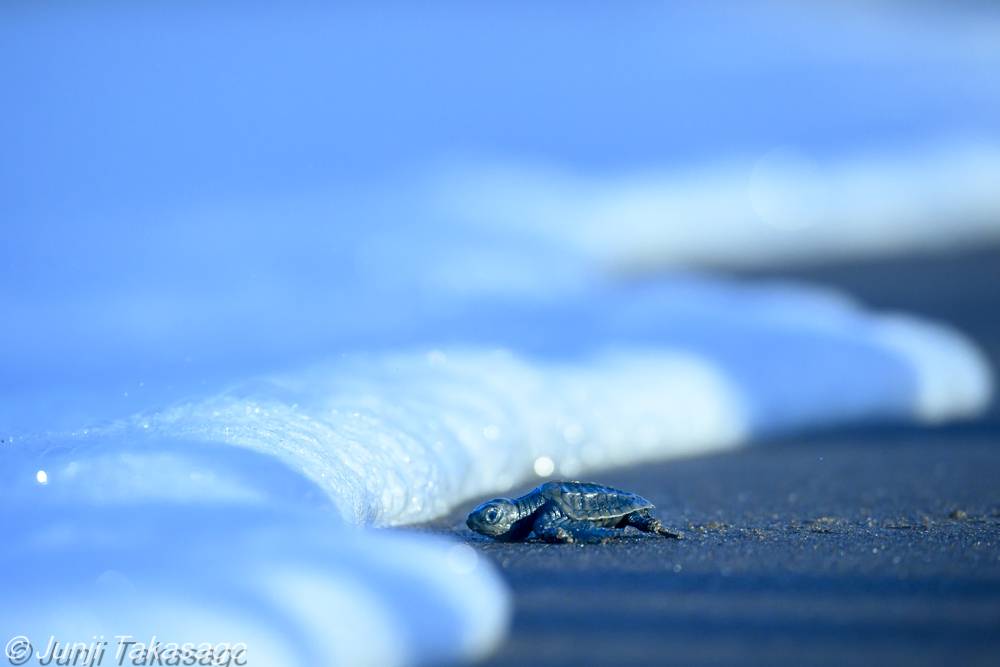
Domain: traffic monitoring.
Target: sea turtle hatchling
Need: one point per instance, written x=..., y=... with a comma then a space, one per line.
x=566, y=512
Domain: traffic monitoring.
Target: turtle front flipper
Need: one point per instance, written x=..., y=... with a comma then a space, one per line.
x=647, y=523
x=552, y=527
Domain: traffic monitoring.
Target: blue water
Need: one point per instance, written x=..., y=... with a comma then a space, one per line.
x=239, y=320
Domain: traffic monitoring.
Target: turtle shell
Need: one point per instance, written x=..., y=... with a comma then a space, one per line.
x=583, y=501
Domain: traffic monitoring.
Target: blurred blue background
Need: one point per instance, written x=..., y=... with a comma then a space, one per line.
x=195, y=193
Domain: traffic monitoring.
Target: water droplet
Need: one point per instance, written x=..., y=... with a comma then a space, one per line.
x=544, y=466
x=462, y=559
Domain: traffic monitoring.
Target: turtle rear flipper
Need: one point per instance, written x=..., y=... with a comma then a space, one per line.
x=647, y=523
x=562, y=530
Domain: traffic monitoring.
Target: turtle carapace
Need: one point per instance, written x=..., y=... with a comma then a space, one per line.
x=566, y=512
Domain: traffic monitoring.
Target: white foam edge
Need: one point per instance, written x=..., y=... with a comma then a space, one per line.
x=953, y=376
x=403, y=438
x=781, y=208
x=342, y=597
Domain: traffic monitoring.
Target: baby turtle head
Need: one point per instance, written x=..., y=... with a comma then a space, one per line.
x=494, y=519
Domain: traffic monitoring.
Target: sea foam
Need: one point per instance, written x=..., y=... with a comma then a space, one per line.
x=233, y=517
x=125, y=535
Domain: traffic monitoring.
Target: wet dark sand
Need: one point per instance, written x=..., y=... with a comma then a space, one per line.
x=874, y=546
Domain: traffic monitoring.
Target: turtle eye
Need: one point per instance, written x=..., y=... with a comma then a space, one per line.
x=492, y=514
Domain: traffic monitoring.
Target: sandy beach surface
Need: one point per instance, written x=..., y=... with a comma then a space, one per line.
x=874, y=545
